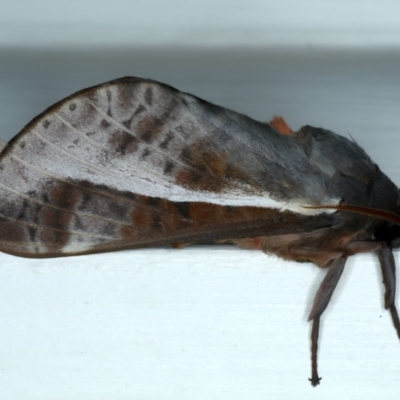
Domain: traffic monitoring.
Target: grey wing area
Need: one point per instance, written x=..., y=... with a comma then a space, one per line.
x=351, y=174
x=213, y=153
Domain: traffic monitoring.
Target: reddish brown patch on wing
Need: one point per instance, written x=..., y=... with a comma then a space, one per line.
x=214, y=162
x=149, y=128
x=204, y=170
x=207, y=170
x=160, y=219
x=35, y=225
x=129, y=232
x=154, y=217
x=180, y=245
x=12, y=231
x=66, y=199
x=254, y=243
x=53, y=240
x=280, y=125
x=62, y=195
x=236, y=174
x=206, y=213
x=141, y=217
x=123, y=142
x=198, y=178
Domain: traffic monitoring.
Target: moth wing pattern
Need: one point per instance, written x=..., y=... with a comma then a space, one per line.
x=134, y=162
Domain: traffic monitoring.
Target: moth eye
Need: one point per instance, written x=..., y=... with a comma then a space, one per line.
x=398, y=201
x=341, y=202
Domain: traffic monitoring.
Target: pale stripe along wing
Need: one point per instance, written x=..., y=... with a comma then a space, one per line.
x=134, y=163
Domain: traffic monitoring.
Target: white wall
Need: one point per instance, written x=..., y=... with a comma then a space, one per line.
x=203, y=23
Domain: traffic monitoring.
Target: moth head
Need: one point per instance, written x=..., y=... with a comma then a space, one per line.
x=389, y=231
x=388, y=228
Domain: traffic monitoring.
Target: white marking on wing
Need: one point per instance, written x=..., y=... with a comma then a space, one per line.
x=143, y=183
x=60, y=150
x=76, y=247
x=123, y=159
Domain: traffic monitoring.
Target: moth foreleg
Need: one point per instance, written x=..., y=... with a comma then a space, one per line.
x=321, y=301
x=388, y=267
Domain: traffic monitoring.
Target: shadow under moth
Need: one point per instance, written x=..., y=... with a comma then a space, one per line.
x=135, y=163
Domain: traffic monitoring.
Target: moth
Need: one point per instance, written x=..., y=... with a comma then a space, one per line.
x=136, y=163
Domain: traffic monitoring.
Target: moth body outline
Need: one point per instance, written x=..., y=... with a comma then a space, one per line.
x=135, y=163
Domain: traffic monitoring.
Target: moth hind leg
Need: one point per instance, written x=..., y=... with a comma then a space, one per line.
x=388, y=268
x=320, y=303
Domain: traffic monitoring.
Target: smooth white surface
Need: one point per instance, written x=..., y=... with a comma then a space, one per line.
x=202, y=322
x=82, y=23
x=194, y=323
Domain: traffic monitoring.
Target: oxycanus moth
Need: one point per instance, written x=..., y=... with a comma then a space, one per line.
x=136, y=163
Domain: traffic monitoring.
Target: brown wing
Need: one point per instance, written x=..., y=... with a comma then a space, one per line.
x=120, y=166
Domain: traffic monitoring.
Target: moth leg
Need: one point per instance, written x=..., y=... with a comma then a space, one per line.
x=314, y=351
x=364, y=246
x=321, y=301
x=388, y=267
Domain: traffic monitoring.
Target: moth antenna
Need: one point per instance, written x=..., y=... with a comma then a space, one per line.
x=370, y=212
